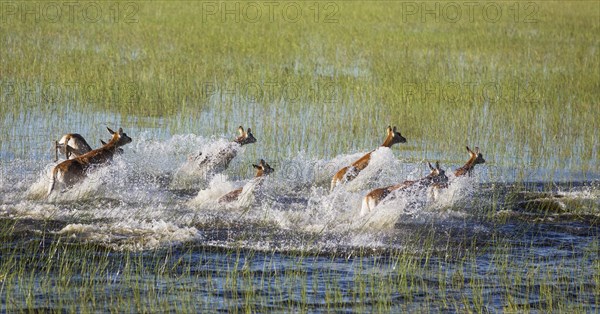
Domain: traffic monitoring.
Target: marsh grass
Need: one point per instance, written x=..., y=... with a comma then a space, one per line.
x=525, y=92
x=492, y=274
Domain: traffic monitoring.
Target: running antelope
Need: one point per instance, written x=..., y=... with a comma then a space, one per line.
x=437, y=177
x=118, y=151
x=220, y=161
x=74, y=170
x=350, y=172
x=262, y=169
x=73, y=145
x=475, y=158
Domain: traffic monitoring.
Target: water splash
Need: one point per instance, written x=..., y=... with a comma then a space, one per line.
x=134, y=203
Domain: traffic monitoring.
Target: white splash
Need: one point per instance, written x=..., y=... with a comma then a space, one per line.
x=133, y=203
x=133, y=235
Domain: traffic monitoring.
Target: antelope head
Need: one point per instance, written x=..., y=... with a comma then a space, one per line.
x=476, y=156
x=438, y=175
x=262, y=168
x=245, y=137
x=119, y=138
x=393, y=137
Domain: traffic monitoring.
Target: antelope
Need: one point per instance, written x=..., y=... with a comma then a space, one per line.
x=220, y=161
x=73, y=145
x=74, y=170
x=437, y=177
x=475, y=158
x=350, y=172
x=118, y=151
x=262, y=169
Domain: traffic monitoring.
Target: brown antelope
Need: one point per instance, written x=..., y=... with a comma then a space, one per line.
x=262, y=169
x=220, y=161
x=245, y=137
x=475, y=158
x=118, y=151
x=74, y=170
x=350, y=172
x=437, y=177
x=73, y=145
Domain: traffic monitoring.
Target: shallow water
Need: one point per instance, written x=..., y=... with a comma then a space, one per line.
x=140, y=206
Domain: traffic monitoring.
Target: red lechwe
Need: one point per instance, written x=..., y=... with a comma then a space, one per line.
x=350, y=172
x=262, y=169
x=74, y=170
x=218, y=162
x=475, y=158
x=437, y=177
x=73, y=145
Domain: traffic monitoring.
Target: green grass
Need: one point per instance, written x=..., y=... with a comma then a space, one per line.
x=86, y=277
x=525, y=89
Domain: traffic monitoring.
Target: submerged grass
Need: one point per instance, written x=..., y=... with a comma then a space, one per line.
x=86, y=277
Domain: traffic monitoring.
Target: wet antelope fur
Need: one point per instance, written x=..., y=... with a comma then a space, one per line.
x=350, y=172
x=437, y=177
x=74, y=170
x=73, y=145
x=262, y=169
x=475, y=158
x=220, y=161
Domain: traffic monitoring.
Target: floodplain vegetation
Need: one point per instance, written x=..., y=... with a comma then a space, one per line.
x=522, y=84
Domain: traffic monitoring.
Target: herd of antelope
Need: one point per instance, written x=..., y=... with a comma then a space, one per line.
x=81, y=159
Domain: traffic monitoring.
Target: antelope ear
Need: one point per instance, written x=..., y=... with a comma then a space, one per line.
x=394, y=129
x=389, y=129
x=437, y=165
x=430, y=166
x=256, y=166
x=476, y=150
x=110, y=131
x=103, y=142
x=249, y=131
x=241, y=130
x=120, y=131
x=469, y=150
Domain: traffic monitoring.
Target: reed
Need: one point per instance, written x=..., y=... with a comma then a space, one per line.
x=525, y=91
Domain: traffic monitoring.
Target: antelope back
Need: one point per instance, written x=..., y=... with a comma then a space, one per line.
x=71, y=145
